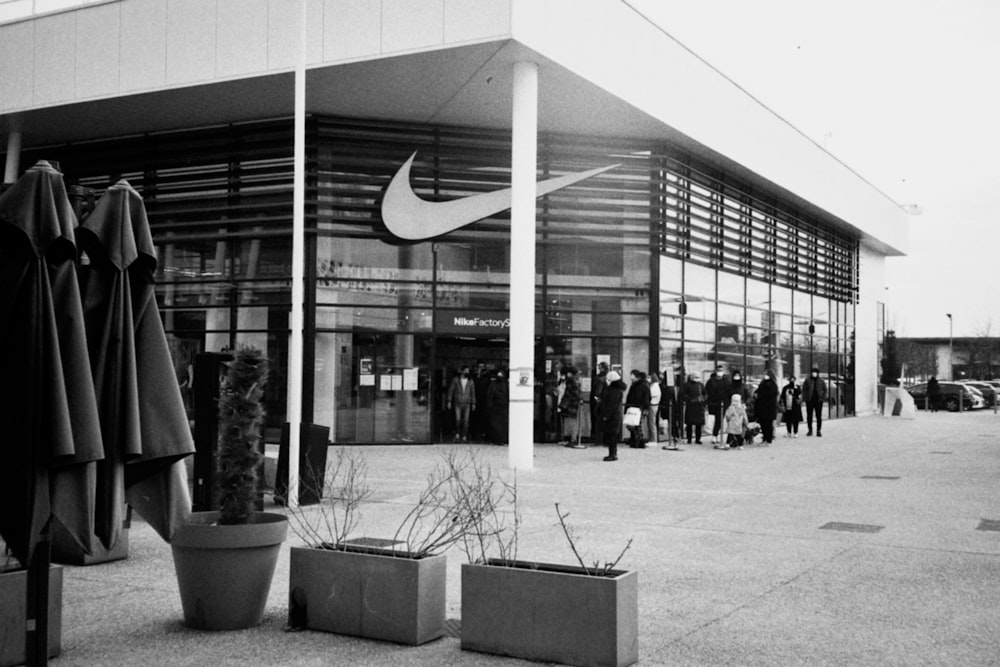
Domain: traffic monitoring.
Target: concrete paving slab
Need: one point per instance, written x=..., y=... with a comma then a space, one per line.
x=734, y=567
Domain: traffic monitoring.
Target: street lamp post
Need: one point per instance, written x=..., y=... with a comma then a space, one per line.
x=951, y=349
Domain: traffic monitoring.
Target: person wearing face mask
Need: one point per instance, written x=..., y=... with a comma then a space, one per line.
x=791, y=406
x=814, y=394
x=718, y=391
x=765, y=401
x=462, y=399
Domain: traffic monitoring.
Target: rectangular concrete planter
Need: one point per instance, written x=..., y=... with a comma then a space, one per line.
x=553, y=613
x=13, y=602
x=365, y=592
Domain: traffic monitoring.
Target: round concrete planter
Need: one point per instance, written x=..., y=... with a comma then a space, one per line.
x=224, y=572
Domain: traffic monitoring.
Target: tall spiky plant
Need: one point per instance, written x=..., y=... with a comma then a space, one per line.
x=241, y=416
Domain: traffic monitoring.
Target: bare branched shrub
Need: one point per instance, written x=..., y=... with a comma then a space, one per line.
x=461, y=502
x=597, y=568
x=488, y=504
x=344, y=489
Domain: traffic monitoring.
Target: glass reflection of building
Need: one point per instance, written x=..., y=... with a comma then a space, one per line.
x=661, y=263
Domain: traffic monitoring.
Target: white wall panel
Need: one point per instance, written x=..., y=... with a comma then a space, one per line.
x=411, y=24
x=97, y=61
x=143, y=45
x=351, y=29
x=55, y=58
x=191, y=40
x=872, y=271
x=17, y=79
x=282, y=35
x=467, y=20
x=242, y=37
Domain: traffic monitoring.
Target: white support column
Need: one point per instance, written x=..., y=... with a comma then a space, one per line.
x=524, y=158
x=296, y=317
x=13, y=162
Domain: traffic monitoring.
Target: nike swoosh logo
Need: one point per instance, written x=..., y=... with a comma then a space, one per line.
x=411, y=218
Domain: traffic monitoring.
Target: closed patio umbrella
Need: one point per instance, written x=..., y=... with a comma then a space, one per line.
x=47, y=403
x=143, y=422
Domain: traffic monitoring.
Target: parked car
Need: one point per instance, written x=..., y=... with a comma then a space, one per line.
x=987, y=389
x=951, y=394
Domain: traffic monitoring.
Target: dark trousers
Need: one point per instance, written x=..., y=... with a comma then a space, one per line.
x=767, y=428
x=610, y=440
x=693, y=429
x=717, y=412
x=816, y=407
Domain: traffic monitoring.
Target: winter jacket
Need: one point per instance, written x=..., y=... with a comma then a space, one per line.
x=638, y=395
x=735, y=421
x=609, y=410
x=569, y=404
x=718, y=391
x=807, y=388
x=765, y=401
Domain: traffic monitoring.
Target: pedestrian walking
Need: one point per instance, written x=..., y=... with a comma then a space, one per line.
x=462, y=399
x=814, y=394
x=933, y=395
x=791, y=406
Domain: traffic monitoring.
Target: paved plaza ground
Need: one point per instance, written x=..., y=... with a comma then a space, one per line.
x=875, y=545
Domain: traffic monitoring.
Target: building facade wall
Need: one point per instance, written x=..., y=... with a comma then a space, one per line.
x=388, y=323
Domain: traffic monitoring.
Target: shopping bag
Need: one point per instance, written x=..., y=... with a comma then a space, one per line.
x=632, y=416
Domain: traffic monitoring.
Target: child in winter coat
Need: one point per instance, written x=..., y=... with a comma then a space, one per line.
x=734, y=424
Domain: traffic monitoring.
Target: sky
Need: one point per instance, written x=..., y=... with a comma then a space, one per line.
x=904, y=92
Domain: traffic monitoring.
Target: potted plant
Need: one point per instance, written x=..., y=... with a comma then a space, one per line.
x=225, y=559
x=570, y=614
x=13, y=603
x=389, y=589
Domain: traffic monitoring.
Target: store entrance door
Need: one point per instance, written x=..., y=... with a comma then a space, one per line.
x=484, y=356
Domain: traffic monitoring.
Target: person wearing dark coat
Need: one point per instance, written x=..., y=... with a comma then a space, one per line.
x=498, y=406
x=597, y=386
x=638, y=397
x=933, y=395
x=569, y=410
x=692, y=398
x=765, y=402
x=739, y=387
x=718, y=391
x=609, y=413
x=814, y=395
x=791, y=406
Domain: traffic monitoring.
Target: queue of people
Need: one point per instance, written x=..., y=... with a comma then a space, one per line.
x=647, y=409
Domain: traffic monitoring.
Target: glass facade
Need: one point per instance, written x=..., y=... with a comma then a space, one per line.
x=659, y=263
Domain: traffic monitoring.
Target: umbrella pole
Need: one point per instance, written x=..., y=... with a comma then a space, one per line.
x=36, y=636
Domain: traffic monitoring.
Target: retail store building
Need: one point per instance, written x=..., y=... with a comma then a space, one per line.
x=713, y=233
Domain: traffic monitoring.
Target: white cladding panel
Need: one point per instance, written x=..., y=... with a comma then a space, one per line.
x=54, y=59
x=242, y=36
x=409, y=25
x=191, y=41
x=351, y=29
x=143, y=39
x=17, y=81
x=97, y=62
x=871, y=267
